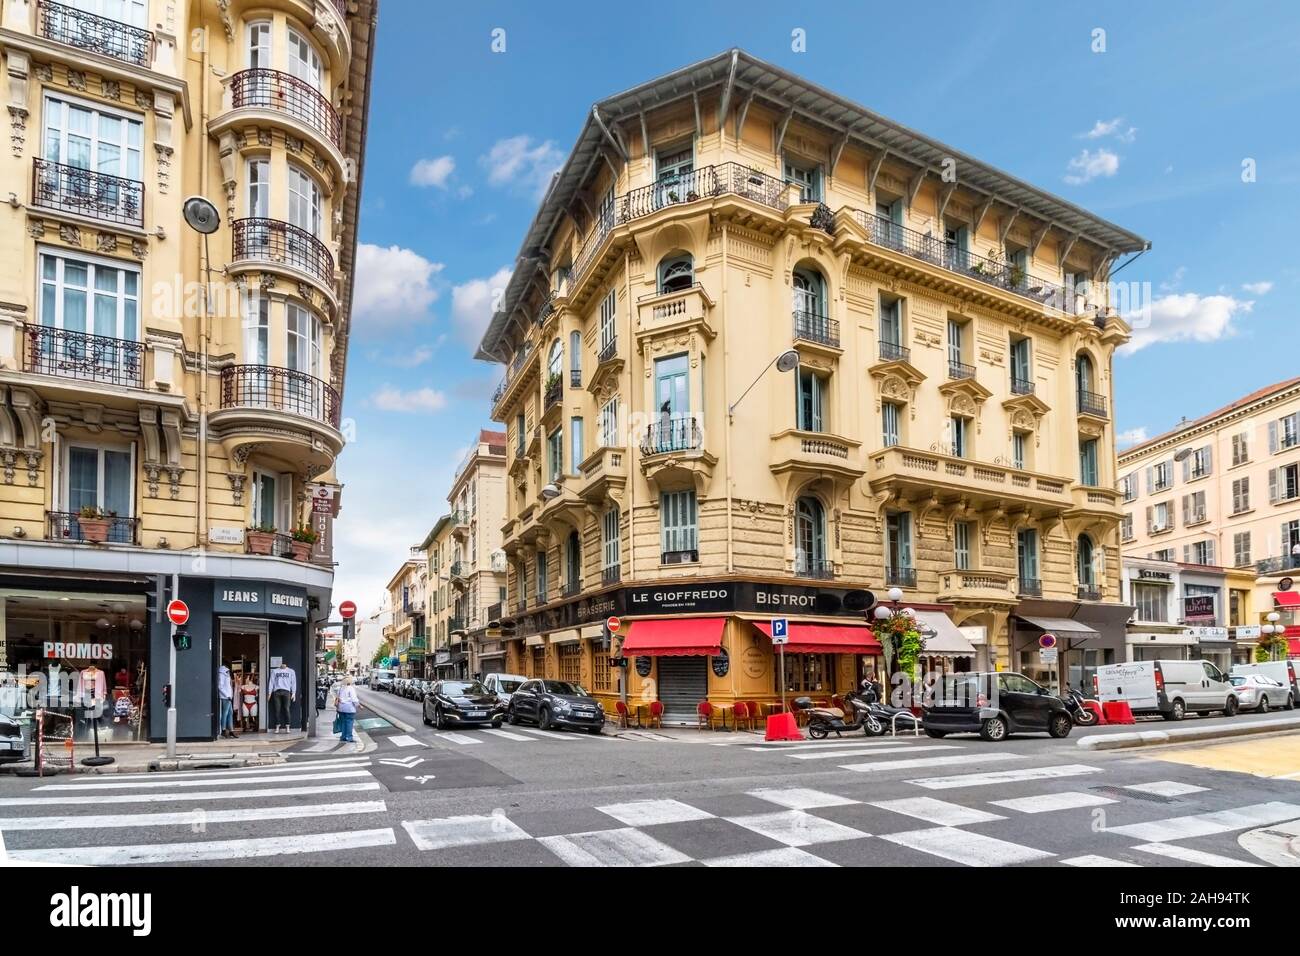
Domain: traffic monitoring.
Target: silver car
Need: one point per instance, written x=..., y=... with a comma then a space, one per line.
x=1257, y=692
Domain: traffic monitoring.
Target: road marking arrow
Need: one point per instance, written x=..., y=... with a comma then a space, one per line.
x=421, y=780
x=406, y=763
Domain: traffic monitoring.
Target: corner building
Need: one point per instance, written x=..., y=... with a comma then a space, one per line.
x=947, y=429
x=170, y=403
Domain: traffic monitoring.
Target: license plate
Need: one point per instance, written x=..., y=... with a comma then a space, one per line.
x=478, y=713
x=13, y=745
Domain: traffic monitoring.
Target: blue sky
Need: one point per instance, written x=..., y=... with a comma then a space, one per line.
x=1152, y=134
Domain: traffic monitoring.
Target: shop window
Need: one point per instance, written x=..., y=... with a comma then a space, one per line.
x=570, y=655
x=600, y=671
x=808, y=673
x=1151, y=601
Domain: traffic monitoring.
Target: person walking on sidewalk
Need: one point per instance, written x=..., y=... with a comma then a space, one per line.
x=283, y=688
x=226, y=702
x=346, y=705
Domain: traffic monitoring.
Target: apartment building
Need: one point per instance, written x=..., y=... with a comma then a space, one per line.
x=477, y=570
x=404, y=630
x=170, y=401
x=943, y=426
x=439, y=609
x=1222, y=491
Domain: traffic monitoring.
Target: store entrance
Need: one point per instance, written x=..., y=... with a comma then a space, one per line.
x=244, y=652
x=683, y=683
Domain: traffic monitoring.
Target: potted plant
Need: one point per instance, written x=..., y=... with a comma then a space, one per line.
x=261, y=539
x=1017, y=277
x=303, y=538
x=692, y=196
x=94, y=523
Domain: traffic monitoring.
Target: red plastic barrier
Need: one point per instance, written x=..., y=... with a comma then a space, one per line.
x=782, y=727
x=1096, y=708
x=1118, y=712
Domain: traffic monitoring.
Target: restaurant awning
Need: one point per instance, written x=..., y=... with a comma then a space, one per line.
x=1063, y=626
x=675, y=637
x=565, y=637
x=827, y=638
x=944, y=640
x=1286, y=599
x=1292, y=647
x=532, y=640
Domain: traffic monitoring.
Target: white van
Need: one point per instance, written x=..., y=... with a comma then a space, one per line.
x=503, y=685
x=1284, y=672
x=1167, y=688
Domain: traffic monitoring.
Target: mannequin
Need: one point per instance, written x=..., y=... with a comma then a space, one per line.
x=248, y=701
x=283, y=688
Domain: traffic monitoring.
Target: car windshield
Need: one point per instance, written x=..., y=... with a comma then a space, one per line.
x=463, y=688
x=564, y=688
x=509, y=686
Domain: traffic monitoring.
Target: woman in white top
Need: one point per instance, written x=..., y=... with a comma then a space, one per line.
x=346, y=705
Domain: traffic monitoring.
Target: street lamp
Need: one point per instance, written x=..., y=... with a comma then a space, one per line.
x=1271, y=628
x=787, y=361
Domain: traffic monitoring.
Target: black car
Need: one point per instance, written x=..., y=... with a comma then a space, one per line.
x=995, y=705
x=461, y=703
x=555, y=703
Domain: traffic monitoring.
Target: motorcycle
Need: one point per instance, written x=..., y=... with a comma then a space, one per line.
x=1083, y=715
x=823, y=721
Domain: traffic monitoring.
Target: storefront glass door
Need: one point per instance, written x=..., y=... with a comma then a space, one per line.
x=243, y=650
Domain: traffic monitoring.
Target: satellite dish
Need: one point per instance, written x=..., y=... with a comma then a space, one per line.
x=1182, y=454
x=201, y=215
x=787, y=361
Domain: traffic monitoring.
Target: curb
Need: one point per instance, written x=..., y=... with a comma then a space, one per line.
x=1155, y=738
x=395, y=721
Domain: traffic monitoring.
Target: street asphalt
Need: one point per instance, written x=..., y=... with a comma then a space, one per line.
x=520, y=796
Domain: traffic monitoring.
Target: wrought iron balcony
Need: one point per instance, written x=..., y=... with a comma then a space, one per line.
x=572, y=587
x=1092, y=403
x=1089, y=592
x=284, y=92
x=281, y=390
x=608, y=352
x=281, y=545
x=1283, y=562
x=811, y=327
x=87, y=193
x=554, y=392
x=1030, y=587
x=900, y=577
x=66, y=526
x=672, y=434
x=1021, y=386
x=282, y=243
x=818, y=568
x=82, y=356
x=612, y=574
x=458, y=569
x=893, y=352
x=95, y=34
x=960, y=370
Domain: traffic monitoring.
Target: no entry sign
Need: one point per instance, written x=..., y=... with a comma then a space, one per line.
x=178, y=612
x=613, y=624
x=348, y=609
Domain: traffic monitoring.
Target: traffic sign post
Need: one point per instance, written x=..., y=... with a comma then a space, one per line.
x=1048, y=655
x=781, y=637
x=614, y=625
x=347, y=609
x=176, y=608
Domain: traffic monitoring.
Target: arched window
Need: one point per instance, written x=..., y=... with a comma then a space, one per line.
x=575, y=359
x=676, y=273
x=1084, y=558
x=810, y=538
x=555, y=361
x=1083, y=374
x=809, y=293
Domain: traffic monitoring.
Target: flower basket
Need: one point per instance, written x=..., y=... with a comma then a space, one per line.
x=301, y=550
x=261, y=542
x=94, y=530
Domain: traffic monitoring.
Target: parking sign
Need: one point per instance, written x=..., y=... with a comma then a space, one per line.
x=780, y=630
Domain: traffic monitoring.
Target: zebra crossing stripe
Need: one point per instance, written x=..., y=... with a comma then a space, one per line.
x=1209, y=824
x=189, y=818
x=939, y=812
x=174, y=795
x=547, y=734
x=1188, y=855
x=1047, y=802
x=1091, y=859
x=460, y=739
x=1003, y=776
x=303, y=767
x=962, y=846
x=209, y=850
x=155, y=784
x=405, y=740
x=867, y=752
x=914, y=763
x=508, y=735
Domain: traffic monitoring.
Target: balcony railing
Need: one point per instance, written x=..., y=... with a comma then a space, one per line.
x=66, y=526
x=521, y=607
x=282, y=243
x=87, y=31
x=1021, y=386
x=281, y=545
x=85, y=192
x=818, y=568
x=893, y=352
x=572, y=587
x=960, y=370
x=82, y=356
x=811, y=327
x=938, y=251
x=1091, y=403
x=457, y=569
x=284, y=92
x=900, y=577
x=281, y=390
x=554, y=392
x=608, y=352
x=1030, y=587
x=1089, y=592
x=455, y=624
x=672, y=434
x=612, y=574
x=1283, y=562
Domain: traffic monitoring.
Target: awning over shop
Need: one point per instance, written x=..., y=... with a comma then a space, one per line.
x=1286, y=599
x=532, y=640
x=1063, y=627
x=565, y=637
x=1145, y=637
x=827, y=638
x=675, y=637
x=1293, y=647
x=593, y=632
x=944, y=640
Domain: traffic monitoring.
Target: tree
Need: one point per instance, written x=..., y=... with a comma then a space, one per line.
x=385, y=649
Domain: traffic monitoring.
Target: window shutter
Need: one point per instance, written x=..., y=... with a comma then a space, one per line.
x=1272, y=437
x=1187, y=554
x=1151, y=518
x=1151, y=482
x=1272, y=476
x=1187, y=468
x=1209, y=459
x=1210, y=556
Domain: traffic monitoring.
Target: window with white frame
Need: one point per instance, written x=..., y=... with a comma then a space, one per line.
x=679, y=526
x=555, y=454
x=1241, y=549
x=811, y=400
x=133, y=12
x=93, y=137
x=609, y=433
x=609, y=539
x=890, y=418
x=98, y=476
x=259, y=188
x=1151, y=602
x=1240, y=495
x=575, y=445
x=1194, y=508
x=898, y=545
x=258, y=37
x=807, y=176
x=1198, y=464
x=1284, y=483
x=891, y=328
x=1128, y=487
x=272, y=501
x=92, y=295
x=608, y=313
x=1020, y=450
x=1199, y=552
x=1160, y=476
x=1284, y=433
x=959, y=433
x=1159, y=517
x=1164, y=554
x=302, y=346
x=257, y=330
x=304, y=61
x=1089, y=473
x=304, y=200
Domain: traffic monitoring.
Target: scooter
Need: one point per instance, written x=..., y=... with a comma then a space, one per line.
x=1083, y=715
x=822, y=721
x=891, y=718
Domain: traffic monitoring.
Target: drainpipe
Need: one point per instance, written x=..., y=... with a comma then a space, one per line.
x=726, y=346
x=204, y=329
x=631, y=451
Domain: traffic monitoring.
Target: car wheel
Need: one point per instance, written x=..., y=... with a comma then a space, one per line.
x=1177, y=711
x=544, y=719
x=496, y=725
x=818, y=730
x=424, y=715
x=438, y=721
x=1230, y=707
x=994, y=728
x=511, y=719
x=595, y=730
x=1263, y=704
x=1059, y=725
x=936, y=734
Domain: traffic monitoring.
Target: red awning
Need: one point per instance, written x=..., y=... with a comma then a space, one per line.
x=827, y=639
x=675, y=637
x=1287, y=599
x=1292, y=647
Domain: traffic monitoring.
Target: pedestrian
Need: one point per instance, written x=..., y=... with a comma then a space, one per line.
x=226, y=702
x=283, y=688
x=347, y=709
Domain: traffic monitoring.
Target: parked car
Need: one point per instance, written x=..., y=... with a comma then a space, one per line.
x=1259, y=692
x=460, y=703
x=1170, y=688
x=995, y=705
x=12, y=746
x=503, y=685
x=1284, y=672
x=382, y=680
x=555, y=703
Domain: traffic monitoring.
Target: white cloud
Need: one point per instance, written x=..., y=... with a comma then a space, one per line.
x=393, y=284
x=1174, y=282
x=1185, y=317
x=1088, y=165
x=1111, y=128
x=433, y=172
x=473, y=302
x=418, y=400
x=411, y=358
x=1134, y=436
x=1257, y=288
x=517, y=163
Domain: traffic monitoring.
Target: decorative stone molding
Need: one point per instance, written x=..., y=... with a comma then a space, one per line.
x=77, y=80
x=151, y=471
x=237, y=487
x=36, y=228
x=70, y=234
x=110, y=89
x=139, y=248
x=105, y=242
x=8, y=459
x=174, y=473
